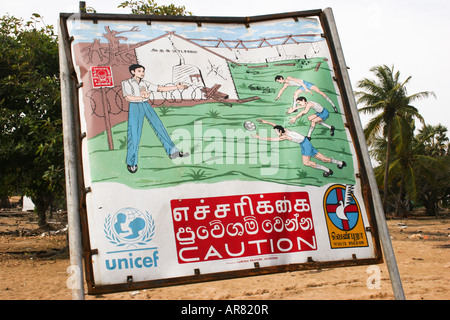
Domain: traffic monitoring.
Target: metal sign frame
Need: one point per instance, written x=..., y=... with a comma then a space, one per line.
x=76, y=189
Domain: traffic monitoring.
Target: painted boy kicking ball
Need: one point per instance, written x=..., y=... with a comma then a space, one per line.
x=307, y=149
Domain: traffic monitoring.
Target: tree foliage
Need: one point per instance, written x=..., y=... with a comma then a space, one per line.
x=434, y=187
x=386, y=97
x=31, y=147
x=151, y=7
x=420, y=168
x=415, y=166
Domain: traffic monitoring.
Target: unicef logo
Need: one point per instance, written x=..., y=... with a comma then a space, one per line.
x=129, y=226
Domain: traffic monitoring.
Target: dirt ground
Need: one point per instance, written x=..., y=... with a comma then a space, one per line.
x=33, y=266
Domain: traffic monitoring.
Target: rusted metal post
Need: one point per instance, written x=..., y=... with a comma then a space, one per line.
x=76, y=280
x=379, y=212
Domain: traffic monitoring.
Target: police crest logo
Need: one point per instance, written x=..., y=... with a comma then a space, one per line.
x=343, y=216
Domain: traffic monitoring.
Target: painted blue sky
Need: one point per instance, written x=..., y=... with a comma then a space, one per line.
x=86, y=31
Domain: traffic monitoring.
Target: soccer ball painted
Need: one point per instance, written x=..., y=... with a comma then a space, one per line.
x=249, y=125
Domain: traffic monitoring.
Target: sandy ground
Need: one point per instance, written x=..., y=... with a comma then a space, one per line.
x=33, y=266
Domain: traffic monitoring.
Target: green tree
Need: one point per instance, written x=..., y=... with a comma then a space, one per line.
x=417, y=172
x=151, y=7
x=434, y=185
x=436, y=142
x=409, y=162
x=386, y=97
x=31, y=148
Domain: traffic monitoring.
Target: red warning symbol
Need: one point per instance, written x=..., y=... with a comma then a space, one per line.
x=102, y=77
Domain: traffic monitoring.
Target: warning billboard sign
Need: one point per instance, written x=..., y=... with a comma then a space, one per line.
x=242, y=226
x=215, y=148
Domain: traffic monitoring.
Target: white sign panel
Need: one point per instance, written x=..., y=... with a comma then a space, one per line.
x=214, y=150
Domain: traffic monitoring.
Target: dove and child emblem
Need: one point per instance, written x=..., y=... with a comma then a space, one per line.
x=343, y=216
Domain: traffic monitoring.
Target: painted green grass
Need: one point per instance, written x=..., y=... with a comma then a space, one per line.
x=202, y=131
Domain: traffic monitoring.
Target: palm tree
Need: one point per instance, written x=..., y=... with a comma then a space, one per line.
x=410, y=162
x=411, y=168
x=386, y=97
x=434, y=189
x=436, y=142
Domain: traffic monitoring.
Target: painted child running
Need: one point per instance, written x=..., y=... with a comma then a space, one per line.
x=303, y=86
x=307, y=149
x=319, y=117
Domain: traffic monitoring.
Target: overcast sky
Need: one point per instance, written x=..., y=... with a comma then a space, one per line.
x=412, y=35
